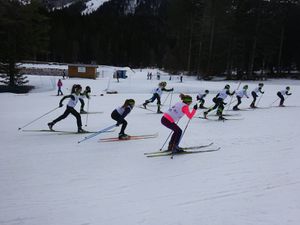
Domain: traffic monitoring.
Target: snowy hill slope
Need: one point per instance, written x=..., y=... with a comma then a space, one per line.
x=49, y=179
x=93, y=5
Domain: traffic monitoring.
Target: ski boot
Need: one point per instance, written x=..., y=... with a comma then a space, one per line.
x=235, y=108
x=82, y=111
x=205, y=115
x=252, y=106
x=80, y=130
x=177, y=150
x=50, y=125
x=123, y=137
x=221, y=118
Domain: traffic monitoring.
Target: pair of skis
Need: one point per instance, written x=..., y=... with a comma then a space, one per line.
x=134, y=137
x=60, y=132
x=186, y=150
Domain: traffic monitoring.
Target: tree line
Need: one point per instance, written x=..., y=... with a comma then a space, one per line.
x=200, y=37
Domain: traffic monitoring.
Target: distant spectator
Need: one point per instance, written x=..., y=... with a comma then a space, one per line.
x=181, y=77
x=59, y=85
x=64, y=74
x=158, y=75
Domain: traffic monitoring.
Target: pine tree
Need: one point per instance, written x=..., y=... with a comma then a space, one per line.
x=23, y=36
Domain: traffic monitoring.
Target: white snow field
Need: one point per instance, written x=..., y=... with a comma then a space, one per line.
x=49, y=179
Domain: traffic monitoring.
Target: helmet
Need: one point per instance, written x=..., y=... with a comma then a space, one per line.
x=206, y=91
x=186, y=99
x=245, y=87
x=130, y=102
x=162, y=84
x=88, y=89
x=260, y=84
x=78, y=86
x=287, y=88
x=227, y=86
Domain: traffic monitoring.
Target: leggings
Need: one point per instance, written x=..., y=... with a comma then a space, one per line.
x=66, y=113
x=177, y=132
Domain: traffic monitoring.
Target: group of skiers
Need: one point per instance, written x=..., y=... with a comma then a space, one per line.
x=75, y=96
x=171, y=116
x=222, y=95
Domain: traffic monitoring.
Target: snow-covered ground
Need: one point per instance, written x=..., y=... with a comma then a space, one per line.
x=50, y=179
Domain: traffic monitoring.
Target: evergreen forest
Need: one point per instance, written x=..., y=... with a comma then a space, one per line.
x=243, y=38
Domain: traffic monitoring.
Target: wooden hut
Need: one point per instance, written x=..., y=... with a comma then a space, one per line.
x=82, y=71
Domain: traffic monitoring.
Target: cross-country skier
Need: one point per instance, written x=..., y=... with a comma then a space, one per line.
x=119, y=115
x=219, y=102
x=74, y=98
x=173, y=115
x=254, y=94
x=239, y=95
x=281, y=94
x=157, y=92
x=85, y=93
x=200, y=98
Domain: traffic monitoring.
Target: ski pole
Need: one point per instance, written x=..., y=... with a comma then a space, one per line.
x=232, y=95
x=230, y=104
x=87, y=115
x=166, y=98
x=259, y=100
x=171, y=99
x=167, y=139
x=186, y=126
x=97, y=133
x=273, y=102
x=38, y=118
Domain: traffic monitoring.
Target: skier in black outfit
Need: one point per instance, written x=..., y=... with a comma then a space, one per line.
x=156, y=95
x=280, y=94
x=219, y=102
x=119, y=115
x=74, y=98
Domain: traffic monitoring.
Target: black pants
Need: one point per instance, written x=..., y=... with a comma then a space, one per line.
x=218, y=104
x=238, y=103
x=177, y=132
x=281, y=98
x=66, y=113
x=155, y=96
x=120, y=120
x=254, y=95
x=201, y=101
x=59, y=92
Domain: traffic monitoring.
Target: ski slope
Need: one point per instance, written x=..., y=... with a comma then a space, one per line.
x=50, y=179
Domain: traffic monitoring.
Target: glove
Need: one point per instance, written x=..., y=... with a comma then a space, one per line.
x=118, y=124
x=172, y=89
x=195, y=107
x=263, y=92
x=224, y=103
x=60, y=105
x=72, y=97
